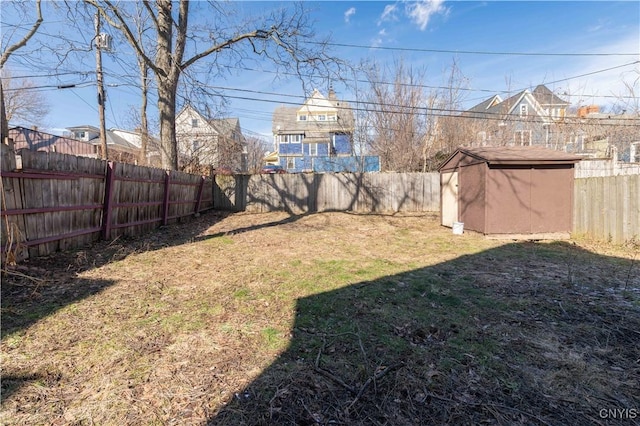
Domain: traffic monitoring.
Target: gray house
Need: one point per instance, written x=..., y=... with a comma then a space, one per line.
x=524, y=119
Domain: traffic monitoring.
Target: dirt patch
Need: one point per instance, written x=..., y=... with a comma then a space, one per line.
x=330, y=318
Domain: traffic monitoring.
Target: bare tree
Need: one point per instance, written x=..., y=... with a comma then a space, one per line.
x=445, y=130
x=256, y=149
x=396, y=113
x=278, y=37
x=7, y=52
x=22, y=100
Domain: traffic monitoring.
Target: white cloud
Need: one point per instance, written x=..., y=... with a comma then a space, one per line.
x=349, y=13
x=378, y=40
x=389, y=13
x=421, y=11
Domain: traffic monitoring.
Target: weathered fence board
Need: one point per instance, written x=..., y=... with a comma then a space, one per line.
x=608, y=208
x=58, y=201
x=304, y=192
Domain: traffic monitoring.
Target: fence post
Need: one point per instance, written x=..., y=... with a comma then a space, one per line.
x=165, y=202
x=108, y=191
x=199, y=199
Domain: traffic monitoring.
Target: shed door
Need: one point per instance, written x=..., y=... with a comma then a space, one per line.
x=449, y=186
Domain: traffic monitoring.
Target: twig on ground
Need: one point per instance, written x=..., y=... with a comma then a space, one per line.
x=626, y=283
x=373, y=378
x=21, y=275
x=328, y=374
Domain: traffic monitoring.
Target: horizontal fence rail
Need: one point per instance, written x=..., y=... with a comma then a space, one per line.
x=58, y=201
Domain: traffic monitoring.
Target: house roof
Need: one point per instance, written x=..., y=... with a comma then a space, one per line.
x=541, y=96
x=112, y=138
x=285, y=119
x=225, y=126
x=546, y=97
x=514, y=155
x=485, y=105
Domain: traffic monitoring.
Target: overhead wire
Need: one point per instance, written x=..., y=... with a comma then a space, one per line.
x=471, y=52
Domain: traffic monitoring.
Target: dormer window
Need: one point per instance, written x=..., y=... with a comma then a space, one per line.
x=302, y=117
x=524, y=109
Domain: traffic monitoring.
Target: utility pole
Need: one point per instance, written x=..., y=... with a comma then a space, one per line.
x=101, y=97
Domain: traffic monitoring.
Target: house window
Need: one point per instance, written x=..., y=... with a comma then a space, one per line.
x=522, y=137
x=524, y=109
x=290, y=138
x=331, y=117
x=194, y=122
x=302, y=117
x=291, y=163
x=195, y=145
x=80, y=135
x=313, y=149
x=322, y=117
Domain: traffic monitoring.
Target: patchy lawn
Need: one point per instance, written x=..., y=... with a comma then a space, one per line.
x=329, y=318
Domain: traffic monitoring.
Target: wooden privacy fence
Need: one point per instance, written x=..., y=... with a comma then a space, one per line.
x=305, y=192
x=57, y=201
x=608, y=208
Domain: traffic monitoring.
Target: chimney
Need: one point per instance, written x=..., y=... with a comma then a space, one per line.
x=332, y=93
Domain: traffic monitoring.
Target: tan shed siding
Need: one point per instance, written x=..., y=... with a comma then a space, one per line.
x=449, y=203
x=472, y=199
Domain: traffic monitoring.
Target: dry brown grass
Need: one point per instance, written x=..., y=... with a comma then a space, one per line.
x=329, y=318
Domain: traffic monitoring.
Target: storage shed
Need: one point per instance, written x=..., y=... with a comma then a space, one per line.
x=513, y=192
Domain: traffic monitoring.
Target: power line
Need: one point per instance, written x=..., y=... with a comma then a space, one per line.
x=425, y=86
x=470, y=52
x=426, y=111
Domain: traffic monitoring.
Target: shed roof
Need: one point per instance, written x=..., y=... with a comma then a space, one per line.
x=514, y=155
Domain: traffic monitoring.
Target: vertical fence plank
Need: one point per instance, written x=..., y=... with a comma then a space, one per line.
x=108, y=200
x=608, y=208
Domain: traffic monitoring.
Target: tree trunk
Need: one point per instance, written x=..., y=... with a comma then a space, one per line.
x=167, y=109
x=167, y=81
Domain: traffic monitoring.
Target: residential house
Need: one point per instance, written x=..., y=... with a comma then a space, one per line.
x=317, y=136
x=526, y=118
x=35, y=140
x=120, y=146
x=205, y=143
x=596, y=134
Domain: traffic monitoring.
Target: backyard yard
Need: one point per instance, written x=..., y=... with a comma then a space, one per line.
x=322, y=319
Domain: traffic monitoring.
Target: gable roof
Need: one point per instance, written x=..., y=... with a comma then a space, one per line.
x=285, y=119
x=514, y=155
x=540, y=97
x=485, y=105
x=226, y=126
x=546, y=97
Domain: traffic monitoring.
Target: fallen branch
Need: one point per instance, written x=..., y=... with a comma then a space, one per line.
x=38, y=281
x=373, y=378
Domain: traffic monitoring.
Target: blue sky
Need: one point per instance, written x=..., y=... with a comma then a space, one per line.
x=583, y=50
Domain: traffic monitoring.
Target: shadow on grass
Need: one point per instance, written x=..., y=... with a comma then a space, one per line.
x=526, y=333
x=37, y=287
